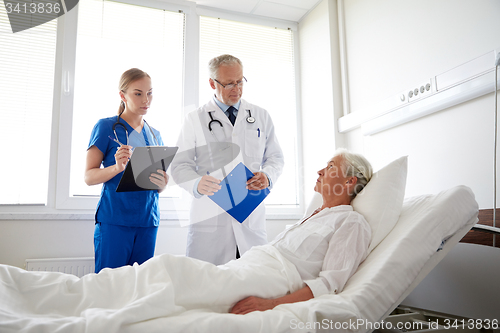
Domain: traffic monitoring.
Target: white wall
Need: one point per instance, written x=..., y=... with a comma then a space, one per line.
x=320, y=90
x=393, y=45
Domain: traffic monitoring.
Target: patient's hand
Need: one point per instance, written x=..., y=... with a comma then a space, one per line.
x=251, y=304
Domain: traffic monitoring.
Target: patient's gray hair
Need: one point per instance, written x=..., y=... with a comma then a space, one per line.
x=355, y=165
x=224, y=59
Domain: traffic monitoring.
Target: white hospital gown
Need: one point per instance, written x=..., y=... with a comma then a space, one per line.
x=327, y=248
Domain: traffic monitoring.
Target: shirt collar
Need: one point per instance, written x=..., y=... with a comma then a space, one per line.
x=339, y=208
x=223, y=106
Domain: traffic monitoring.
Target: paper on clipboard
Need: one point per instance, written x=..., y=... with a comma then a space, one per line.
x=144, y=161
x=234, y=197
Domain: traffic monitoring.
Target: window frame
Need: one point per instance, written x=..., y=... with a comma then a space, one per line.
x=64, y=200
x=59, y=200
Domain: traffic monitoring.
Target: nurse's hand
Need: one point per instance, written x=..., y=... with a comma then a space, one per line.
x=258, y=182
x=208, y=185
x=159, y=178
x=122, y=156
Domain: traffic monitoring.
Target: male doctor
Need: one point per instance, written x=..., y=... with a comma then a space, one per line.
x=213, y=140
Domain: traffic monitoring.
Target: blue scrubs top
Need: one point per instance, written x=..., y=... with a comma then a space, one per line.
x=132, y=209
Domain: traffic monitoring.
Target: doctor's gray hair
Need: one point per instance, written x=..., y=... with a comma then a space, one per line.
x=224, y=59
x=355, y=165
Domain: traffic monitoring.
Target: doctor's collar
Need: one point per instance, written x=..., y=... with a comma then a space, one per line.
x=223, y=106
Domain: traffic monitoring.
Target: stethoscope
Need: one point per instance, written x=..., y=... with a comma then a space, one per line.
x=118, y=122
x=249, y=120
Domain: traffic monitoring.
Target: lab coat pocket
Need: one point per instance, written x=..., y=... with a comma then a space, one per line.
x=306, y=238
x=255, y=143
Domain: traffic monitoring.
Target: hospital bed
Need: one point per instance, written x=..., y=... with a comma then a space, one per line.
x=410, y=236
x=462, y=288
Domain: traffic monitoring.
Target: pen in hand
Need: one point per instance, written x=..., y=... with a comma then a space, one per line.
x=115, y=140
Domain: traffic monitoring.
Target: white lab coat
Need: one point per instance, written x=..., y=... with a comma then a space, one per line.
x=213, y=234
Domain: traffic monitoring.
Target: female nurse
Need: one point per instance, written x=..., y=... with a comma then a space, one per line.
x=126, y=223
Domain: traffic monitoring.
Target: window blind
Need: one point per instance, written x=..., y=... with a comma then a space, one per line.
x=112, y=38
x=27, y=61
x=267, y=54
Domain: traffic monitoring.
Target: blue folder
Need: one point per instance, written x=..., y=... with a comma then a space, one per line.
x=233, y=196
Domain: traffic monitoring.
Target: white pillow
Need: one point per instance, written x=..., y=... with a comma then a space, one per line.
x=381, y=201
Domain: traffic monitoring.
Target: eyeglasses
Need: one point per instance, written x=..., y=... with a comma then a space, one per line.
x=232, y=85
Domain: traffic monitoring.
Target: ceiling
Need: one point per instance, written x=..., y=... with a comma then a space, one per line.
x=291, y=10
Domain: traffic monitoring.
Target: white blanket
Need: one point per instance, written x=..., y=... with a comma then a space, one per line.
x=164, y=286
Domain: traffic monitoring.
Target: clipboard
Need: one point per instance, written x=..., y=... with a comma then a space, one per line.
x=233, y=196
x=144, y=161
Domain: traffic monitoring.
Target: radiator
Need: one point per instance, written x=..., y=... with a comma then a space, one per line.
x=75, y=266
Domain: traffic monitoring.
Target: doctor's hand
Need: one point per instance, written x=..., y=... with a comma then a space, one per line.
x=251, y=304
x=258, y=182
x=159, y=178
x=122, y=156
x=208, y=185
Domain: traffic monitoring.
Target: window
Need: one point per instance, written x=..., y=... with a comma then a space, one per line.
x=27, y=61
x=113, y=37
x=75, y=84
x=268, y=61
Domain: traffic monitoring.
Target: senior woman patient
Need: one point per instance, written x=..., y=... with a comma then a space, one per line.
x=326, y=247
x=315, y=256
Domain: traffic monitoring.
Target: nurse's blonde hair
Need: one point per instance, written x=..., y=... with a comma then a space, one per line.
x=126, y=79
